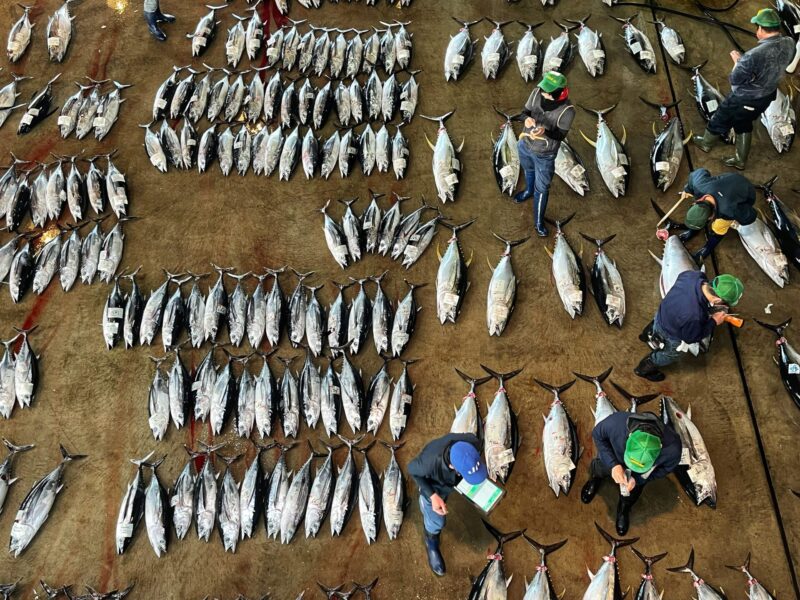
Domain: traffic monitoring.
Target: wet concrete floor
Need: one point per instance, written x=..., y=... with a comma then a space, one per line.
x=95, y=401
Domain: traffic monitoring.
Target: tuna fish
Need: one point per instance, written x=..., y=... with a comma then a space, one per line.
x=216, y=306
x=559, y=52
x=760, y=243
x=671, y=41
x=468, y=417
x=451, y=278
x=39, y=107
x=780, y=121
x=229, y=516
x=707, y=98
x=158, y=402
x=590, y=47
x=275, y=308
x=647, y=589
x=205, y=31
x=496, y=51
x=667, y=151
x=605, y=582
x=402, y=399
x=603, y=405
x=202, y=389
x=251, y=494
x=345, y=491
x=788, y=359
x=505, y=157
x=277, y=488
x=26, y=371
x=785, y=220
x=638, y=44
x=7, y=370
x=568, y=272
x=703, y=590
x=156, y=511
x=500, y=430
x=676, y=260
x=460, y=51
x=393, y=496
x=6, y=478
x=319, y=495
x=352, y=394
x=294, y=505
x=289, y=400
x=755, y=590
x=206, y=496
x=610, y=154
x=330, y=400
x=20, y=36
x=607, y=288
x=502, y=289
x=491, y=582
x=181, y=499
x=560, y=444
x=131, y=510
x=529, y=52
x=378, y=395
x=369, y=498
x=59, y=32
x=446, y=166
x=541, y=586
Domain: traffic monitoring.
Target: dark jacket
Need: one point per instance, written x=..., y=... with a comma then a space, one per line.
x=556, y=118
x=610, y=436
x=684, y=311
x=734, y=194
x=760, y=69
x=431, y=470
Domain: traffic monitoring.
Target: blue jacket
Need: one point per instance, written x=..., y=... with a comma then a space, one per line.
x=733, y=193
x=684, y=311
x=760, y=69
x=610, y=436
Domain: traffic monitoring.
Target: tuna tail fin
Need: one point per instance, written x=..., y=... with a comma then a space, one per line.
x=557, y=390
x=596, y=378
x=467, y=23
x=392, y=447
x=634, y=400
x=229, y=460
x=501, y=377
x=599, y=242
x=693, y=69
x=414, y=286
x=615, y=542
x=66, y=456
x=472, y=380
x=560, y=223
x=502, y=538
x=330, y=592
x=511, y=243
x=648, y=561
x=767, y=185
x=601, y=112
x=544, y=549
x=658, y=106
x=687, y=568
x=744, y=568
x=441, y=118
x=13, y=449
x=457, y=228
x=351, y=443
x=142, y=461
x=776, y=329
x=366, y=589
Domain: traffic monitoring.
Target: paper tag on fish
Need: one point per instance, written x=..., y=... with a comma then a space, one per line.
x=456, y=164
x=161, y=103
x=398, y=421
x=407, y=106
x=623, y=159
x=272, y=52
x=335, y=389
x=797, y=28
x=403, y=54
x=407, y=398
x=576, y=297
x=598, y=53
x=662, y=165
x=794, y=369
x=678, y=49
x=400, y=163
x=618, y=172
x=230, y=48
x=99, y=122
x=104, y=264
x=196, y=385
x=309, y=95
x=26, y=119
x=529, y=60
x=53, y=42
x=500, y=312
x=577, y=171
x=155, y=422
x=116, y=313
x=712, y=105
x=352, y=150
x=493, y=57
x=23, y=388
x=458, y=59
x=253, y=44
x=340, y=250
x=786, y=129
x=156, y=160
x=400, y=338
x=411, y=252
x=451, y=179
x=646, y=55
x=508, y=171
x=237, y=145
x=118, y=178
x=221, y=310
x=65, y=120
x=111, y=328
x=636, y=47
x=555, y=63
x=125, y=530
x=686, y=457
x=449, y=300
x=200, y=41
x=613, y=301
x=191, y=142
x=504, y=458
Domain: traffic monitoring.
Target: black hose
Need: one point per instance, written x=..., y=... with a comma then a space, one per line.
x=672, y=11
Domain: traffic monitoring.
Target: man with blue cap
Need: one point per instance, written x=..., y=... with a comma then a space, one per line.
x=437, y=470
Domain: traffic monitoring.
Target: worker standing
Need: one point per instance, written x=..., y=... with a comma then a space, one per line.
x=549, y=116
x=632, y=449
x=720, y=202
x=154, y=16
x=686, y=319
x=754, y=81
x=437, y=470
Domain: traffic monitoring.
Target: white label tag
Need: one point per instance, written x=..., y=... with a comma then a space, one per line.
x=118, y=178
x=458, y=59
x=662, y=165
x=400, y=163
x=456, y=164
x=403, y=54
x=500, y=312
x=786, y=129
x=23, y=388
x=623, y=160
x=794, y=369
x=507, y=171
x=577, y=171
x=451, y=179
x=598, y=53
x=116, y=313
x=505, y=457
x=678, y=49
x=400, y=338
x=406, y=398
x=221, y=310
x=407, y=106
x=99, y=122
x=449, y=300
x=493, y=57
x=712, y=105
x=529, y=60
x=111, y=328
x=125, y=530
x=613, y=301
x=411, y=252
x=797, y=28
x=65, y=120
x=646, y=55
x=237, y=145
x=636, y=47
x=191, y=142
x=686, y=457
x=272, y=52
x=53, y=42
x=156, y=160
x=161, y=103
x=200, y=41
x=618, y=172
x=174, y=501
x=26, y=119
x=555, y=62
x=196, y=385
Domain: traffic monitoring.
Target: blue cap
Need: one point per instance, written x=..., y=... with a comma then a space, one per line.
x=467, y=461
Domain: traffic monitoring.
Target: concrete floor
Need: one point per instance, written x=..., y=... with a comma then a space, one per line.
x=95, y=401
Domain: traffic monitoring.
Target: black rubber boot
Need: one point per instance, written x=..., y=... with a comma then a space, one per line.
x=648, y=370
x=624, y=511
x=152, y=25
x=539, y=207
x=590, y=488
x=646, y=333
x=527, y=193
x=163, y=17
x=435, y=559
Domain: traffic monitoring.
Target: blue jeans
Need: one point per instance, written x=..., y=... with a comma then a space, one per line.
x=538, y=169
x=669, y=353
x=434, y=522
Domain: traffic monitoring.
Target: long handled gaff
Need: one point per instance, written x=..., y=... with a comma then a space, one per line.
x=683, y=197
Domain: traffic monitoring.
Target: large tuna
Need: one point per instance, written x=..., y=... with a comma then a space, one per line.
x=560, y=444
x=500, y=430
x=607, y=288
x=605, y=581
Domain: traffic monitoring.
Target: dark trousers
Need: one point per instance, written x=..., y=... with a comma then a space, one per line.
x=738, y=114
x=668, y=353
x=539, y=169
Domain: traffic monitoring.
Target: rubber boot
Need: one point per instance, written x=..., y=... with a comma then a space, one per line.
x=624, y=511
x=739, y=159
x=648, y=370
x=530, y=177
x=539, y=207
x=589, y=490
x=163, y=17
x=706, y=141
x=435, y=559
x=646, y=333
x=152, y=25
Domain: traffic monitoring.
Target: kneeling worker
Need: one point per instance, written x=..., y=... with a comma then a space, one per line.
x=437, y=470
x=686, y=317
x=638, y=442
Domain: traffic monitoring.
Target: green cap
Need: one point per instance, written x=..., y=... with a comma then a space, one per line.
x=729, y=288
x=767, y=17
x=697, y=215
x=641, y=451
x=551, y=81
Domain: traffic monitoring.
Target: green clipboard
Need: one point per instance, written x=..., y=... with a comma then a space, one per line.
x=485, y=495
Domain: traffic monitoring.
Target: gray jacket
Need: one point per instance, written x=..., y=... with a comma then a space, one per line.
x=759, y=70
x=556, y=123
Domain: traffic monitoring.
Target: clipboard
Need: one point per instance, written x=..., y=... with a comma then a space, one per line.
x=485, y=495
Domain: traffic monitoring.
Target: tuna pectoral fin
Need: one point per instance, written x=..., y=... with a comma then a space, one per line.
x=549, y=252
x=461, y=147
x=469, y=261
x=589, y=571
x=429, y=142
x=658, y=260
x=624, y=136
x=685, y=141
x=587, y=139
x=508, y=581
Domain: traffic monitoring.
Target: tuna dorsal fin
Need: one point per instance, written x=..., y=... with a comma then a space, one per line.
x=502, y=538
x=596, y=378
x=688, y=567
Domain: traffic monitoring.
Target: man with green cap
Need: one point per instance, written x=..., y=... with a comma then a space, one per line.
x=549, y=116
x=632, y=449
x=719, y=202
x=686, y=319
x=754, y=79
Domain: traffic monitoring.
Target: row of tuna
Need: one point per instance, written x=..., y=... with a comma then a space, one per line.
x=314, y=50
x=214, y=392
x=533, y=56
x=285, y=499
x=132, y=318
x=45, y=195
x=604, y=583
x=387, y=233
x=286, y=102
x=57, y=35
x=49, y=592
x=34, y=264
x=19, y=374
x=269, y=150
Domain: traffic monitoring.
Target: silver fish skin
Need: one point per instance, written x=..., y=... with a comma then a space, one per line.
x=675, y=260
x=467, y=419
x=495, y=52
x=182, y=94
x=370, y=222
x=610, y=155
x=274, y=47
x=56, y=192
x=253, y=103
x=419, y=241
x=382, y=150
x=90, y=254
x=59, y=32
x=19, y=37
x=178, y=390
x=7, y=388
x=225, y=151
x=329, y=155
x=289, y=155
x=559, y=442
x=153, y=313
x=222, y=399
x=198, y=101
x=388, y=51
x=188, y=143
x=289, y=50
x=256, y=315
x=369, y=500
x=181, y=500
x=372, y=52
x=274, y=151
x=378, y=395
x=409, y=97
x=763, y=247
x=289, y=400
x=277, y=490
x=131, y=509
x=37, y=505
x=205, y=31
x=338, y=54
x=207, y=149
x=341, y=99
x=590, y=48
x=539, y=587
x=195, y=311
x=108, y=112
x=373, y=95
x=216, y=307
x=6, y=474
x=381, y=317
x=294, y=505
x=390, y=98
x=445, y=164
x=259, y=150
x=319, y=495
x=502, y=290
x=229, y=518
x=505, y=158
x=529, y=53
x=254, y=34
x=344, y=490
x=639, y=45
x=305, y=50
x=218, y=96
x=603, y=407
x=400, y=405
x=403, y=46
x=359, y=318
x=309, y=153
x=7, y=252
x=405, y=317
x=400, y=153
x=703, y=589
x=205, y=380
x=206, y=492
x=356, y=96
x=26, y=372
x=158, y=403
x=501, y=436
x=234, y=45
x=604, y=583
x=570, y=168
x=354, y=55
x=8, y=95
x=558, y=53
x=245, y=404
x=275, y=309
x=163, y=93
x=154, y=149
x=352, y=394
x=113, y=313
x=76, y=198
x=330, y=401
x=234, y=99
x=568, y=273
x=69, y=261
x=265, y=399
x=251, y=495
x=237, y=310
x=314, y=323
x=38, y=205
x=672, y=42
x=393, y=494
x=156, y=512
x=68, y=117
x=46, y=265
x=322, y=52
x=780, y=122
x=460, y=51
x=451, y=279
x=366, y=149
x=117, y=187
x=337, y=318
x=347, y=153
x=351, y=227
x=323, y=102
